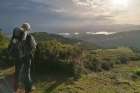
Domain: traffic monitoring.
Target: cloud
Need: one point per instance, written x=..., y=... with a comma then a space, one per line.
x=76, y=33
x=62, y=10
x=46, y=14
x=81, y=3
x=64, y=34
x=93, y=7
x=100, y=33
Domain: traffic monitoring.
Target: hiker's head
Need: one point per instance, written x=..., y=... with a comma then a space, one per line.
x=26, y=26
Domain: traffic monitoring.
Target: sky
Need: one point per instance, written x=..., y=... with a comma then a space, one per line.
x=71, y=15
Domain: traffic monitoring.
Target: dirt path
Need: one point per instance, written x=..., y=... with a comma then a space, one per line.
x=7, y=81
x=6, y=84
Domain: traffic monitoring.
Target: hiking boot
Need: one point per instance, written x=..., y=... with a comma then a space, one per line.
x=33, y=88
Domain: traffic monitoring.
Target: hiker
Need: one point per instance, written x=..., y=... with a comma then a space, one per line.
x=21, y=49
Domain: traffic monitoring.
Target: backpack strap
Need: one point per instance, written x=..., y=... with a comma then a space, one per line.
x=20, y=34
x=31, y=41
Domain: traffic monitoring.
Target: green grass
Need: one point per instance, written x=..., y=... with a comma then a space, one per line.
x=117, y=80
x=112, y=54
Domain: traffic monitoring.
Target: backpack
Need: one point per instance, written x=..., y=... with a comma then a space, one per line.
x=15, y=47
x=19, y=45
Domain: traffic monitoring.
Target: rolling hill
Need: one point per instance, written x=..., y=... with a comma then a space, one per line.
x=44, y=36
x=98, y=71
x=126, y=39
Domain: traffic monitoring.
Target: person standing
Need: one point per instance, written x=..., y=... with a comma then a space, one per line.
x=21, y=49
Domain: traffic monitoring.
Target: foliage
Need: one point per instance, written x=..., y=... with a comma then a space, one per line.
x=54, y=56
x=97, y=65
x=44, y=36
x=3, y=40
x=57, y=57
x=137, y=72
x=105, y=59
x=116, y=80
x=4, y=62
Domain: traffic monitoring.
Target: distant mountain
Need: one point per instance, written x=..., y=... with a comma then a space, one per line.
x=128, y=39
x=93, y=28
x=44, y=36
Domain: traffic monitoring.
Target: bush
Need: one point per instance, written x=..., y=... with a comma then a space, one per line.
x=3, y=40
x=136, y=57
x=98, y=65
x=137, y=72
x=92, y=63
x=118, y=53
x=53, y=56
x=107, y=65
x=123, y=60
x=4, y=60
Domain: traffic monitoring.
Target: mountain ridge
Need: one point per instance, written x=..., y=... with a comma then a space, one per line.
x=127, y=39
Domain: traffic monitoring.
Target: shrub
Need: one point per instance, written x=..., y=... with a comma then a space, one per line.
x=123, y=60
x=137, y=72
x=136, y=57
x=118, y=53
x=3, y=40
x=98, y=65
x=4, y=60
x=92, y=63
x=53, y=56
x=107, y=65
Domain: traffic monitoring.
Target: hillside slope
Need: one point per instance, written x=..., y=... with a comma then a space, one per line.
x=128, y=39
x=107, y=70
x=44, y=36
x=118, y=80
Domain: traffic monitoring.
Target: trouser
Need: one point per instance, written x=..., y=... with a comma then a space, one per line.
x=23, y=73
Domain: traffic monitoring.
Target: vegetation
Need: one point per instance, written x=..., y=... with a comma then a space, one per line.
x=55, y=56
x=126, y=38
x=136, y=74
x=3, y=51
x=43, y=36
x=62, y=66
x=3, y=40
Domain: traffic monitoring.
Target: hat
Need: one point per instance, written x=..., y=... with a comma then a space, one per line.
x=26, y=26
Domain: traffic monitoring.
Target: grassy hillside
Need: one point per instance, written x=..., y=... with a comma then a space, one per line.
x=61, y=65
x=44, y=36
x=118, y=80
x=123, y=77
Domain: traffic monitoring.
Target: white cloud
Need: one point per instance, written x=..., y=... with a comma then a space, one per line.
x=76, y=33
x=92, y=11
x=100, y=33
x=61, y=10
x=81, y=3
x=64, y=34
